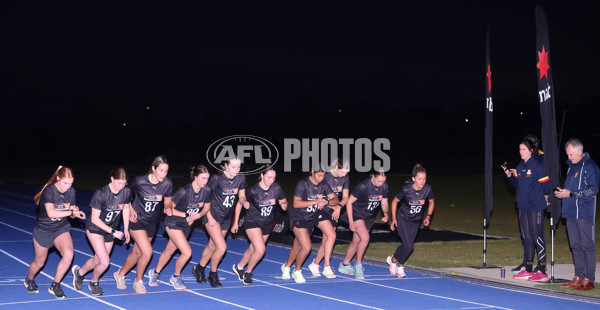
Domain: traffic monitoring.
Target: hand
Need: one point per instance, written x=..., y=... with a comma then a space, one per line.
x=169, y=211
x=118, y=234
x=384, y=218
x=427, y=221
x=352, y=226
x=246, y=204
x=79, y=214
x=393, y=225
x=127, y=236
x=505, y=168
x=191, y=219
x=284, y=206
x=322, y=203
x=336, y=213
x=562, y=193
x=234, y=228
x=132, y=215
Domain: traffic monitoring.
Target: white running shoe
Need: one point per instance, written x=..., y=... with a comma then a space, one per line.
x=298, y=277
x=393, y=266
x=328, y=273
x=400, y=272
x=285, y=272
x=314, y=269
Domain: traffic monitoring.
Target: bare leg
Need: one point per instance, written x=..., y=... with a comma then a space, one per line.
x=351, y=251
x=258, y=244
x=41, y=253
x=303, y=239
x=178, y=239
x=364, y=236
x=64, y=245
x=329, y=236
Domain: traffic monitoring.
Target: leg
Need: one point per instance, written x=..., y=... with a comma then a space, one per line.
x=329, y=236
x=140, y=255
x=209, y=250
x=258, y=244
x=540, y=239
x=167, y=253
x=586, y=233
x=41, y=253
x=351, y=251
x=99, y=263
x=407, y=231
x=64, y=245
x=296, y=247
x=363, y=234
x=217, y=236
x=525, y=221
x=303, y=239
x=576, y=247
x=179, y=240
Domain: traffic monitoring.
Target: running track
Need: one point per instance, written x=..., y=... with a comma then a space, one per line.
x=379, y=291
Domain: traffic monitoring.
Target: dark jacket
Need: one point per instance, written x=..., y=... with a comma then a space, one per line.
x=582, y=181
x=532, y=184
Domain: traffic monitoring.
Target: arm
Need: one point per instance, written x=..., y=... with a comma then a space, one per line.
x=126, y=211
x=236, y=216
x=176, y=212
x=299, y=203
x=242, y=199
x=73, y=211
x=394, y=223
x=168, y=206
x=100, y=224
x=191, y=219
x=430, y=209
x=283, y=203
x=351, y=224
x=384, y=208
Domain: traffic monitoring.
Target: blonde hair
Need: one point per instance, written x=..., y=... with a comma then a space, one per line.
x=339, y=164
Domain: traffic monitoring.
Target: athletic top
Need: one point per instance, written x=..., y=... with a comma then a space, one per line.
x=412, y=202
x=224, y=195
x=337, y=184
x=262, y=203
x=308, y=191
x=148, y=198
x=532, y=184
x=368, y=198
x=188, y=201
x=110, y=205
x=61, y=201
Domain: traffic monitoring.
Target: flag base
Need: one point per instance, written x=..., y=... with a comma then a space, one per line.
x=556, y=281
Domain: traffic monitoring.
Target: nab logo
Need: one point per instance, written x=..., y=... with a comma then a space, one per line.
x=256, y=154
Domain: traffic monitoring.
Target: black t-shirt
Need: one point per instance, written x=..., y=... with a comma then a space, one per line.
x=308, y=191
x=337, y=184
x=262, y=203
x=224, y=195
x=148, y=198
x=61, y=202
x=368, y=198
x=110, y=205
x=188, y=201
x=412, y=202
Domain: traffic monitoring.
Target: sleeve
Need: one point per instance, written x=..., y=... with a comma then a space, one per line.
x=430, y=194
x=47, y=196
x=358, y=190
x=243, y=184
x=544, y=179
x=346, y=182
x=128, y=197
x=513, y=181
x=400, y=195
x=589, y=188
x=179, y=197
x=250, y=194
x=169, y=191
x=326, y=189
x=73, y=201
x=280, y=193
x=208, y=196
x=213, y=181
x=96, y=202
x=300, y=191
x=386, y=190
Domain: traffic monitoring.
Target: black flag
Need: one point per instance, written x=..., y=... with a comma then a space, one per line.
x=489, y=122
x=547, y=109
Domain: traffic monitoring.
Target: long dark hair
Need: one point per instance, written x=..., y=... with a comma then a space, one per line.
x=416, y=169
x=197, y=170
x=530, y=145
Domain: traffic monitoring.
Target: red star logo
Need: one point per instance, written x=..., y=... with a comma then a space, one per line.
x=489, y=76
x=543, y=62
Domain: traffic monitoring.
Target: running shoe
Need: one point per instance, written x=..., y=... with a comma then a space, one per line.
x=519, y=268
x=285, y=272
x=239, y=272
x=523, y=275
x=56, y=290
x=153, y=277
x=31, y=286
x=77, y=279
x=328, y=273
x=213, y=279
x=393, y=266
x=346, y=269
x=95, y=289
x=198, y=272
x=138, y=287
x=248, y=278
x=359, y=272
x=120, y=280
x=297, y=275
x=314, y=269
x=539, y=276
x=400, y=272
x=177, y=282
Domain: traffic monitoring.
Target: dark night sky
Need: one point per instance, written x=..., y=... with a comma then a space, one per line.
x=206, y=70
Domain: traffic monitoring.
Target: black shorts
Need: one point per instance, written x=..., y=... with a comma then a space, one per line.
x=108, y=237
x=266, y=228
x=178, y=223
x=310, y=225
x=150, y=229
x=46, y=238
x=325, y=215
x=369, y=221
x=225, y=224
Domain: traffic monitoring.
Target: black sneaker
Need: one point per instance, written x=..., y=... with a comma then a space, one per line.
x=77, y=279
x=31, y=286
x=56, y=290
x=238, y=272
x=198, y=272
x=248, y=278
x=213, y=279
x=95, y=289
x=518, y=268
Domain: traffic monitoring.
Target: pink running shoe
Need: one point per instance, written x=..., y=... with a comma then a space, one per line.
x=539, y=276
x=523, y=275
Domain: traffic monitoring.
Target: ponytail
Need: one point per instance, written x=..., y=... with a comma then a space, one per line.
x=416, y=169
x=61, y=172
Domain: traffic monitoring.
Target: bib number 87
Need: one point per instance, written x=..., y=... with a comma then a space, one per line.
x=150, y=206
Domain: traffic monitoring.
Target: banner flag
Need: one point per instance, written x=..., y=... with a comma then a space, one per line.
x=489, y=122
